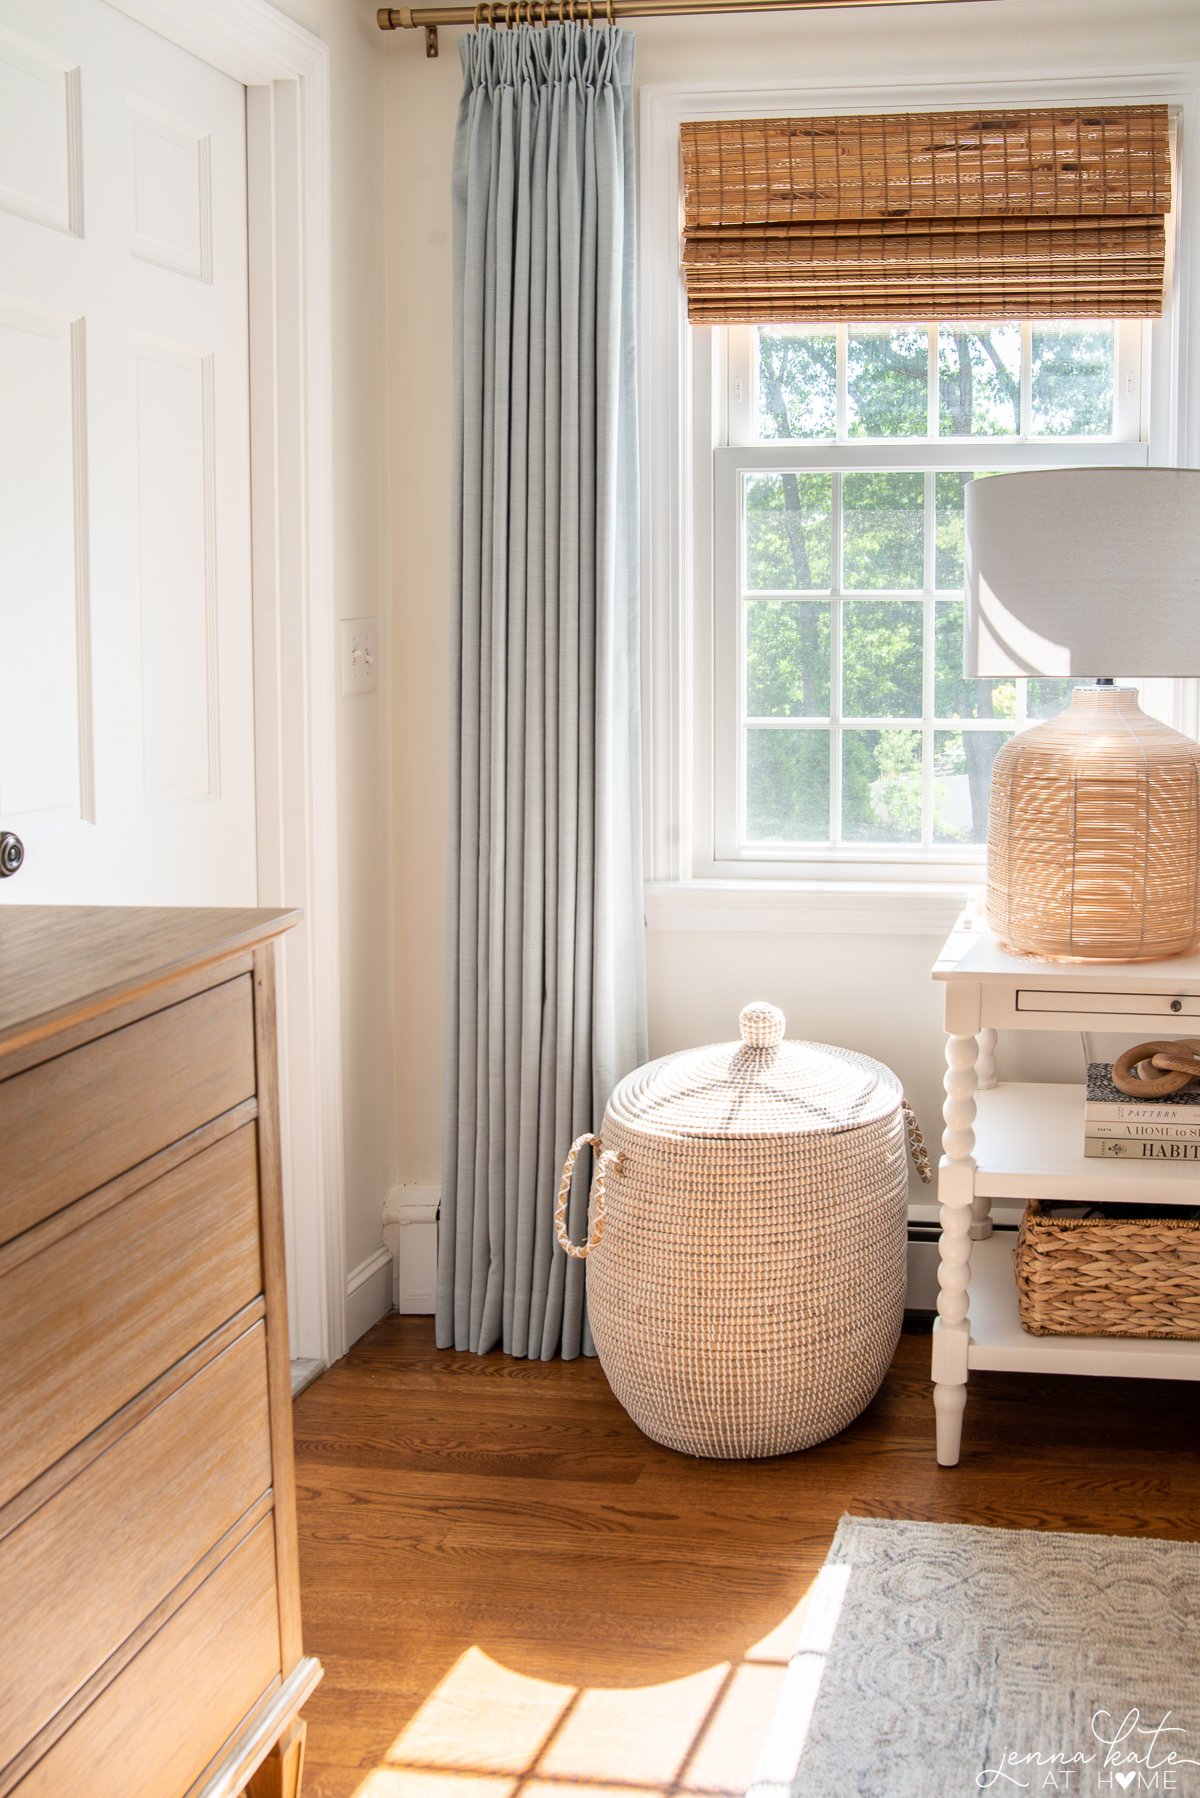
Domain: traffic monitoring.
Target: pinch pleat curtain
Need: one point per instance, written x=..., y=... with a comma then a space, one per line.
x=546, y=999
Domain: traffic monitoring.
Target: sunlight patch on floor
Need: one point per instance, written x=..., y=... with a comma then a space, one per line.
x=488, y=1732
x=482, y=1716
x=633, y=1734
x=788, y=1728
x=423, y=1782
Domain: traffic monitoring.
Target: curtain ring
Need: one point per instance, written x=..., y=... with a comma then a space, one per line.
x=590, y=19
x=609, y=14
x=479, y=9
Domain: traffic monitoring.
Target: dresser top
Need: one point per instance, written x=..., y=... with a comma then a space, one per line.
x=59, y=963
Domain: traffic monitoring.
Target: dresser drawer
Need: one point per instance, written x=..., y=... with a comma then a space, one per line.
x=80, y=1575
x=161, y=1721
x=103, y=1311
x=72, y=1123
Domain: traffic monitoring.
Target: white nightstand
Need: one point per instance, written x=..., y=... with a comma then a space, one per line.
x=1019, y=1141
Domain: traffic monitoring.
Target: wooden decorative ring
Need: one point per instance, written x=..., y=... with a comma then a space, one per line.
x=1165, y=1080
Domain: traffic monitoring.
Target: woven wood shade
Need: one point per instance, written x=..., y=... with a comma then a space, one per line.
x=918, y=215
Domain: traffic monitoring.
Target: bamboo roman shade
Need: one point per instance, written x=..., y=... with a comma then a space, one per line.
x=1056, y=213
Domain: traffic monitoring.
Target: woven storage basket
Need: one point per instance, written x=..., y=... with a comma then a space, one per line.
x=748, y=1240
x=1108, y=1276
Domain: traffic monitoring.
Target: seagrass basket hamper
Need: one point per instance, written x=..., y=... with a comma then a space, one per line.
x=1108, y=1275
x=747, y=1240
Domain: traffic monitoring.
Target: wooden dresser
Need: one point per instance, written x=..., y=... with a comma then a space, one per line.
x=149, y=1613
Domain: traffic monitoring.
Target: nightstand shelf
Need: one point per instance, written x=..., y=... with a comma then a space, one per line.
x=1027, y=1135
x=999, y=1344
x=1018, y=1141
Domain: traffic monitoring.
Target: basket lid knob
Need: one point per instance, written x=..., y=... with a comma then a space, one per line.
x=762, y=1025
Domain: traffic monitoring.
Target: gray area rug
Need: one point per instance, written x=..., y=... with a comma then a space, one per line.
x=940, y=1660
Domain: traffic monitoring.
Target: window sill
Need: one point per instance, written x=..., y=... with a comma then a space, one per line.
x=812, y=908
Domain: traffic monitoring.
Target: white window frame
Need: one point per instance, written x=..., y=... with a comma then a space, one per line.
x=684, y=383
x=721, y=847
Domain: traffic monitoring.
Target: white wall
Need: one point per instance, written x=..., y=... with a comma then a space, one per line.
x=361, y=587
x=872, y=993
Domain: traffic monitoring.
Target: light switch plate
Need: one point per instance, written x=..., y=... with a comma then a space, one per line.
x=360, y=655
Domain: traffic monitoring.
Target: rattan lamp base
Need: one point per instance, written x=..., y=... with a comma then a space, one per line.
x=1094, y=835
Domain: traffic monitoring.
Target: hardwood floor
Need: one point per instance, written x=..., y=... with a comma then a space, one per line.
x=517, y=1595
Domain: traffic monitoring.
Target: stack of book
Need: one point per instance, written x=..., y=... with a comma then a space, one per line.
x=1139, y=1129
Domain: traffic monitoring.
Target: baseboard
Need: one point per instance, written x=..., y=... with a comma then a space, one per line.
x=410, y=1232
x=368, y=1293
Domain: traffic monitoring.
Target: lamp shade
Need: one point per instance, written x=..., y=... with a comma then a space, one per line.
x=1083, y=571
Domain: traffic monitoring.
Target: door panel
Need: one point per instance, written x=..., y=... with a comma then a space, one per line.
x=127, y=730
x=43, y=619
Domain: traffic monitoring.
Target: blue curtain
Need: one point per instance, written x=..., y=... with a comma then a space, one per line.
x=546, y=1004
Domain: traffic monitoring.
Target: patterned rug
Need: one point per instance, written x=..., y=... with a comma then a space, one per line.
x=940, y=1660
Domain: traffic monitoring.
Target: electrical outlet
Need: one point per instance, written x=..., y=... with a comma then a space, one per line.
x=360, y=656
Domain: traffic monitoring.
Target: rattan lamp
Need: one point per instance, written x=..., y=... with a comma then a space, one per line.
x=1094, y=825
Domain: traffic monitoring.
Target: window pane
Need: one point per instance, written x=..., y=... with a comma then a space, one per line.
x=1046, y=698
x=1072, y=380
x=881, y=786
x=883, y=535
x=787, y=786
x=789, y=532
x=979, y=380
x=881, y=658
x=787, y=658
x=797, y=384
x=962, y=777
x=954, y=694
x=887, y=381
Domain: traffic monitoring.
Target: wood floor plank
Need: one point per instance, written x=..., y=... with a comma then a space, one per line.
x=502, y=1575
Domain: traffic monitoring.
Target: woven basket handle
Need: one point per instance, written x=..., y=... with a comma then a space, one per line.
x=916, y=1143
x=597, y=1203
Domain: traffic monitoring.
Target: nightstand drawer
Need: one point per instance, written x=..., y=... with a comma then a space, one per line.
x=133, y=1524
x=178, y=1701
x=195, y=1060
x=1144, y=1005
x=103, y=1311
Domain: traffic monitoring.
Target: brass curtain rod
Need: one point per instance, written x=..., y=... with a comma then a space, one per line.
x=542, y=12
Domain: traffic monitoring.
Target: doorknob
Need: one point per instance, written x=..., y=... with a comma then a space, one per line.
x=12, y=853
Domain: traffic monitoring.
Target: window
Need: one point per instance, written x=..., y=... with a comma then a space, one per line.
x=845, y=739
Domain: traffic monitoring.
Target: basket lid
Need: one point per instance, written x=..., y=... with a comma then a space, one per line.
x=760, y=1086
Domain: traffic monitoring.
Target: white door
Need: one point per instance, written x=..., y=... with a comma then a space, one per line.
x=126, y=671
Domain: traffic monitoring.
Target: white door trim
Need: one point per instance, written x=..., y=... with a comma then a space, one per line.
x=286, y=73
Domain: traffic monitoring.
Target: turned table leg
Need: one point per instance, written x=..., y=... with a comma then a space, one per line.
x=956, y=1190
x=985, y=1078
x=280, y=1774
